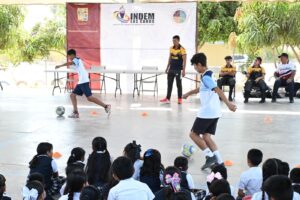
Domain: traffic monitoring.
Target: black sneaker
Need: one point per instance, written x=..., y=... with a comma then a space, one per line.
x=230, y=99
x=210, y=161
x=273, y=101
x=262, y=101
x=246, y=101
x=291, y=100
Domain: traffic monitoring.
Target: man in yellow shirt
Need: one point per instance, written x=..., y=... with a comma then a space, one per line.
x=227, y=76
x=175, y=68
x=256, y=75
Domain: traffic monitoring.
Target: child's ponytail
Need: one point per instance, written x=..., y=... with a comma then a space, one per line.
x=77, y=154
x=42, y=149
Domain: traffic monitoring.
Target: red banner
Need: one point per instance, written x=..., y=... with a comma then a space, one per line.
x=83, y=35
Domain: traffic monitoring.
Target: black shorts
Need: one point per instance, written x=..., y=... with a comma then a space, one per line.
x=83, y=88
x=202, y=126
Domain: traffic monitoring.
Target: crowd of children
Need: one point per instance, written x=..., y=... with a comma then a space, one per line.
x=135, y=177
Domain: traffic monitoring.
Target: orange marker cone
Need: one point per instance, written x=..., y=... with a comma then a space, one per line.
x=228, y=163
x=268, y=120
x=93, y=113
x=298, y=166
x=56, y=155
x=144, y=114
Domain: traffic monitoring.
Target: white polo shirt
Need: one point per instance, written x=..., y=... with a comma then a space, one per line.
x=130, y=189
x=258, y=196
x=285, y=70
x=83, y=75
x=251, y=180
x=137, y=168
x=210, y=107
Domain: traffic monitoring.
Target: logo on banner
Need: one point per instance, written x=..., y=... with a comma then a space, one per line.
x=179, y=16
x=133, y=18
x=83, y=14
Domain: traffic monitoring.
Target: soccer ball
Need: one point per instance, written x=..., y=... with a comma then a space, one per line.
x=60, y=111
x=188, y=150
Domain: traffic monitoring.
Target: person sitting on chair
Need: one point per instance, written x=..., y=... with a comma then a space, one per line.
x=284, y=75
x=256, y=76
x=227, y=76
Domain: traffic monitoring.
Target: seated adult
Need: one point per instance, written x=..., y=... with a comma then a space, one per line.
x=284, y=75
x=227, y=76
x=256, y=76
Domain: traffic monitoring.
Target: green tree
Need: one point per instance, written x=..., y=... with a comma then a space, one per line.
x=269, y=25
x=216, y=21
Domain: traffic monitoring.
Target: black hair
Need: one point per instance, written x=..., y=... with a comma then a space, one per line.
x=69, y=170
x=36, y=185
x=36, y=177
x=221, y=169
x=77, y=154
x=181, y=163
x=169, y=191
x=90, y=193
x=225, y=197
x=122, y=168
x=272, y=167
x=133, y=151
x=279, y=187
x=199, y=58
x=228, y=58
x=75, y=182
x=218, y=187
x=259, y=58
x=176, y=37
x=42, y=149
x=2, y=185
x=255, y=156
x=99, y=162
x=295, y=175
x=71, y=52
x=152, y=163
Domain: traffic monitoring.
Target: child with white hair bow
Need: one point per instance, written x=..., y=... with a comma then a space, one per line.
x=34, y=190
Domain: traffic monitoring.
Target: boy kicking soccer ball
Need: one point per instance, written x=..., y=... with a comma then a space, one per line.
x=83, y=86
x=209, y=113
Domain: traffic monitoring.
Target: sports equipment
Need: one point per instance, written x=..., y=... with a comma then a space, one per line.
x=188, y=150
x=60, y=111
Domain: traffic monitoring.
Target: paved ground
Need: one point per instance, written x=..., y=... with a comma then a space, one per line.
x=28, y=117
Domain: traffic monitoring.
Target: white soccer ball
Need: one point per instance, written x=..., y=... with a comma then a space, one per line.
x=188, y=150
x=60, y=111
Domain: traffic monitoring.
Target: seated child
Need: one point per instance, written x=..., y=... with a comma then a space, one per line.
x=218, y=187
x=251, y=180
x=186, y=178
x=295, y=178
x=172, y=180
x=127, y=188
x=90, y=193
x=133, y=152
x=34, y=190
x=3, y=188
x=77, y=158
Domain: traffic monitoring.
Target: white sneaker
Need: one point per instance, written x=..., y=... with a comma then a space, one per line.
x=108, y=109
x=74, y=115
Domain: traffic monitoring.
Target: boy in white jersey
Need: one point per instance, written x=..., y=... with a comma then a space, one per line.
x=83, y=86
x=210, y=111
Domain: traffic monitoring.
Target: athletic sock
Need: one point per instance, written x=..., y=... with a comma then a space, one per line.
x=208, y=152
x=218, y=156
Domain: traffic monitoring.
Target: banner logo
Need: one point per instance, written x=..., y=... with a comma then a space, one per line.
x=179, y=16
x=134, y=18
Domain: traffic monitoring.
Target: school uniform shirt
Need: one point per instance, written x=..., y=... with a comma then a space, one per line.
x=210, y=107
x=187, y=181
x=47, y=167
x=251, y=181
x=82, y=73
x=130, y=189
x=284, y=71
x=256, y=72
x=75, y=197
x=176, y=62
x=258, y=196
x=226, y=68
x=4, y=197
x=137, y=169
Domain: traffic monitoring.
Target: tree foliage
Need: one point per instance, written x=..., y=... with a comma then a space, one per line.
x=271, y=25
x=216, y=21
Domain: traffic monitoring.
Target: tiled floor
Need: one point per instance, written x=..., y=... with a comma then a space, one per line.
x=28, y=117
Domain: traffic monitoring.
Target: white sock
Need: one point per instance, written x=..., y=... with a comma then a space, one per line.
x=208, y=152
x=218, y=156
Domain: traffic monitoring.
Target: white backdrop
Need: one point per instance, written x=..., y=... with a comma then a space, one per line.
x=129, y=45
